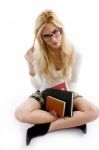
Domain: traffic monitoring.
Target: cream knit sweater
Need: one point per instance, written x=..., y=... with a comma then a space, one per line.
x=41, y=83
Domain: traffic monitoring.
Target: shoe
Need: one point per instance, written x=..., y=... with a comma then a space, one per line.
x=83, y=128
x=36, y=130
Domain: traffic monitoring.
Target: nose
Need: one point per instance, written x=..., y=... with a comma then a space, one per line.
x=53, y=38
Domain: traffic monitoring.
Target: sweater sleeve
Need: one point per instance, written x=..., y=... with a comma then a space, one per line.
x=75, y=71
x=36, y=81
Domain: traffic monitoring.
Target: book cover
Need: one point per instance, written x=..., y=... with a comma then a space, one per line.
x=55, y=104
x=61, y=86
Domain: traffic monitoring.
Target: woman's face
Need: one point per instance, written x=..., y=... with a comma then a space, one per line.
x=51, y=35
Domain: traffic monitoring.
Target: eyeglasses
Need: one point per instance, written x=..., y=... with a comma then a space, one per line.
x=56, y=33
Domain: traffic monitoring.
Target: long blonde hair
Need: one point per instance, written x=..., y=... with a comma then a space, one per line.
x=67, y=50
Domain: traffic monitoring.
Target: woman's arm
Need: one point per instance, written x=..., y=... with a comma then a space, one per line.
x=29, y=58
x=34, y=77
x=75, y=70
x=36, y=81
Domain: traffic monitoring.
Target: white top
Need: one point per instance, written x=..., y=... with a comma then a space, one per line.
x=40, y=83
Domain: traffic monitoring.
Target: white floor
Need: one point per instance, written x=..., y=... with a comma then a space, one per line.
x=12, y=133
x=16, y=35
x=15, y=90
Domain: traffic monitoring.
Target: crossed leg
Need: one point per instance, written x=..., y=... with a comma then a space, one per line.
x=84, y=112
x=30, y=112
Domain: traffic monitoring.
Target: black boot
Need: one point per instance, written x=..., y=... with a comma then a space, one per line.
x=83, y=128
x=36, y=130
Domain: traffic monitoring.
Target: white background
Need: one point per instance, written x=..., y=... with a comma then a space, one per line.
x=17, y=17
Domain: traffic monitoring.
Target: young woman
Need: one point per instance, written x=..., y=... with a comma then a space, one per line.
x=54, y=60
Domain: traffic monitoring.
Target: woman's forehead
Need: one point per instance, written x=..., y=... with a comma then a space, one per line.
x=50, y=27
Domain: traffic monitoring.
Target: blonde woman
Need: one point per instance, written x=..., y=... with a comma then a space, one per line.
x=54, y=60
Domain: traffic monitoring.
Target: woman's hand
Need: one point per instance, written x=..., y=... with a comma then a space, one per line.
x=53, y=112
x=29, y=57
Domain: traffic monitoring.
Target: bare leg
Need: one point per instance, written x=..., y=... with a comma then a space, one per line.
x=39, y=116
x=30, y=112
x=85, y=113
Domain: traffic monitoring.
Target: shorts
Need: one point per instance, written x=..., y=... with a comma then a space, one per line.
x=37, y=96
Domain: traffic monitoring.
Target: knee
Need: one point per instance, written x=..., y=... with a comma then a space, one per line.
x=19, y=115
x=94, y=113
x=97, y=113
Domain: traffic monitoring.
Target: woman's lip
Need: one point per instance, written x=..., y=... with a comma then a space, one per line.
x=55, y=43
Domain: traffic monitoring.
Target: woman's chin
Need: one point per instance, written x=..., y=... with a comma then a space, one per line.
x=55, y=47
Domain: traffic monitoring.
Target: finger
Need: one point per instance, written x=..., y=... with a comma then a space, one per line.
x=52, y=112
x=55, y=113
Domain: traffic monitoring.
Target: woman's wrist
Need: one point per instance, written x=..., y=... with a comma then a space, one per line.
x=32, y=71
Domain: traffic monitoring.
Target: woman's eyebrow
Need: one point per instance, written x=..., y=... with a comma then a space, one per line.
x=49, y=33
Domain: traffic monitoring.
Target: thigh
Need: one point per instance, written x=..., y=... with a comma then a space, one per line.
x=29, y=105
x=82, y=104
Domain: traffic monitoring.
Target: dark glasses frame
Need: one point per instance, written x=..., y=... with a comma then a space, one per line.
x=55, y=33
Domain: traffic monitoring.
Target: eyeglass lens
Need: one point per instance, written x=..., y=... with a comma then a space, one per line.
x=55, y=33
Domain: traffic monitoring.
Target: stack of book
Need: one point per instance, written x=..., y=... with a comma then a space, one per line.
x=59, y=100
x=61, y=86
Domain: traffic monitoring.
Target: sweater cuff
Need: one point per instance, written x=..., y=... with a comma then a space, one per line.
x=36, y=81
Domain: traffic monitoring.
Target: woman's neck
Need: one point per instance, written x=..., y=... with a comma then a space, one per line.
x=55, y=52
x=56, y=58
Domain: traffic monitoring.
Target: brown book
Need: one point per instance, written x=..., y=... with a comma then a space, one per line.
x=55, y=104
